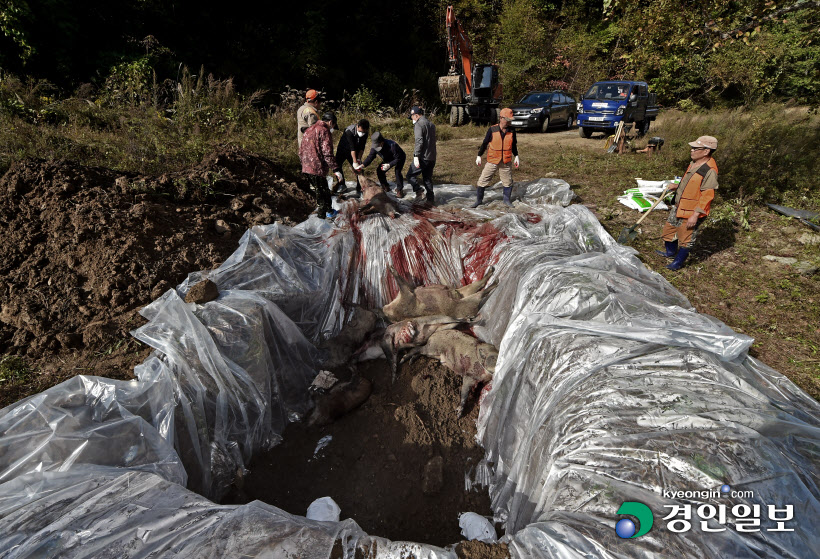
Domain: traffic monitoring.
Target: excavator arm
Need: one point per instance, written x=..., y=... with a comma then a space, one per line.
x=459, y=49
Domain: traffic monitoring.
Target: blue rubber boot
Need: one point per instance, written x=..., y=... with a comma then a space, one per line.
x=479, y=197
x=680, y=258
x=671, y=249
x=507, y=192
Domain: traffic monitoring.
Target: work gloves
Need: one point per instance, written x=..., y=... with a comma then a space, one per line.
x=478, y=160
x=416, y=163
x=386, y=166
x=516, y=162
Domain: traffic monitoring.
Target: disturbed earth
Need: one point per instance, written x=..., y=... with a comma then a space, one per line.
x=85, y=248
x=396, y=465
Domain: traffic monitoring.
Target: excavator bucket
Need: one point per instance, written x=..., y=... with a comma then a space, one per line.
x=451, y=89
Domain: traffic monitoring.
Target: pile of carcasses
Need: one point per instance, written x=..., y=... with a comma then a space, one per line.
x=609, y=389
x=423, y=321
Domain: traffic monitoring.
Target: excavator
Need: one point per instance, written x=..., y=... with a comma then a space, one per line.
x=470, y=91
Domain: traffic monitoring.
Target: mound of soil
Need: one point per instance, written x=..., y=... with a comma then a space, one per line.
x=396, y=465
x=84, y=248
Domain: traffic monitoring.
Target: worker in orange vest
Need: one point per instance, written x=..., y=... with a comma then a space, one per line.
x=692, y=201
x=501, y=146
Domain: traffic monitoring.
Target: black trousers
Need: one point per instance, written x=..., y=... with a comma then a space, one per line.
x=323, y=200
x=399, y=178
x=425, y=169
x=343, y=155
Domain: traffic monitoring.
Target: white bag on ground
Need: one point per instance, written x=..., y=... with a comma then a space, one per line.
x=324, y=509
x=476, y=527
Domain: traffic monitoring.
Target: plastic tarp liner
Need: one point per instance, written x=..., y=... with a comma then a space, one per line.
x=609, y=388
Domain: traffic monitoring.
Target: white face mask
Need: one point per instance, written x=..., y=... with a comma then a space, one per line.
x=359, y=133
x=378, y=148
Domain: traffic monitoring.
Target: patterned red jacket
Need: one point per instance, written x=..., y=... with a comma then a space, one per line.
x=316, y=151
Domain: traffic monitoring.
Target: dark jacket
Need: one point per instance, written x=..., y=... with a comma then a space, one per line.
x=350, y=141
x=391, y=154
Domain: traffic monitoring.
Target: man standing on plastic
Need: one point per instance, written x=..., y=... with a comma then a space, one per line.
x=393, y=157
x=501, y=145
x=350, y=149
x=692, y=201
x=316, y=154
x=307, y=115
x=424, y=155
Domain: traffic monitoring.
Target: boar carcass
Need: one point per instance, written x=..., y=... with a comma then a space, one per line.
x=342, y=398
x=463, y=354
x=427, y=300
x=375, y=199
x=391, y=341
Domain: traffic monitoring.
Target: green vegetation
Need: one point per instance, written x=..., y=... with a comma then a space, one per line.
x=14, y=370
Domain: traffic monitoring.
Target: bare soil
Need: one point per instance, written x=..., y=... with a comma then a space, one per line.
x=396, y=465
x=84, y=248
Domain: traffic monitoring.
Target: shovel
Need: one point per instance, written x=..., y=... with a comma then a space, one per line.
x=628, y=234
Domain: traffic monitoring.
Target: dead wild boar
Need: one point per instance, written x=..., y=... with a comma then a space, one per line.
x=337, y=351
x=426, y=300
x=463, y=354
x=375, y=199
x=414, y=332
x=342, y=398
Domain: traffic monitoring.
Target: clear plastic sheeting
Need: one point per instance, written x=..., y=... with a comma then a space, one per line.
x=240, y=370
x=114, y=515
x=91, y=421
x=609, y=388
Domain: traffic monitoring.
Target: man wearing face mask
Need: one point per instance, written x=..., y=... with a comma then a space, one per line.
x=393, y=157
x=350, y=149
x=316, y=154
x=424, y=154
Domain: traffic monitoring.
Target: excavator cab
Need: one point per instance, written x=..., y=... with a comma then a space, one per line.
x=485, y=81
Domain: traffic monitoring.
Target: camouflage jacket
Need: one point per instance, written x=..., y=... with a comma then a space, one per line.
x=316, y=151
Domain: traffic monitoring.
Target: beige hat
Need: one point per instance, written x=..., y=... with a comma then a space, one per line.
x=705, y=142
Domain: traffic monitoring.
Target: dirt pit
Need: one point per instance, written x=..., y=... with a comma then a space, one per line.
x=396, y=465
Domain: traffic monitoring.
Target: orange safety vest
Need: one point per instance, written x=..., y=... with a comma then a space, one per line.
x=500, y=149
x=692, y=196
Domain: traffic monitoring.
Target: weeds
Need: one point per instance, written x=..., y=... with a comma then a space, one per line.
x=14, y=370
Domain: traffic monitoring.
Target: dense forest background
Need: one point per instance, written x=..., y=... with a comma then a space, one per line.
x=703, y=53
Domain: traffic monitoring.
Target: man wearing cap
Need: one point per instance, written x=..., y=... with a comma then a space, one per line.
x=307, y=115
x=316, y=154
x=501, y=145
x=393, y=157
x=351, y=148
x=424, y=155
x=692, y=201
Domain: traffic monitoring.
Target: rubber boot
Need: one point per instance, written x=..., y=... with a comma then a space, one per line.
x=671, y=249
x=479, y=197
x=507, y=192
x=680, y=258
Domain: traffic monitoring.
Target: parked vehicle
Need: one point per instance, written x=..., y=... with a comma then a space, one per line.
x=542, y=109
x=608, y=103
x=470, y=90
